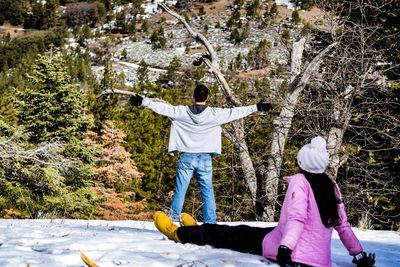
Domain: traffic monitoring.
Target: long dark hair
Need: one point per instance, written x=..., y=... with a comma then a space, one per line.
x=324, y=191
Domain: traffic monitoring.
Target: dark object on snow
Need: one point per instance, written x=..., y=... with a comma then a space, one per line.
x=364, y=260
x=136, y=100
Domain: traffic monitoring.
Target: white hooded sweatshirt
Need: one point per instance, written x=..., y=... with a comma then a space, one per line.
x=197, y=133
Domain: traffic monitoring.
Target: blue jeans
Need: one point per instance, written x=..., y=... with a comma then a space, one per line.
x=199, y=165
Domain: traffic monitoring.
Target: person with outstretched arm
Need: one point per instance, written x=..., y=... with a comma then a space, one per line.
x=312, y=208
x=196, y=135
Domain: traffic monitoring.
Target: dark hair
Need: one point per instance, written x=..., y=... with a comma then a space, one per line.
x=325, y=195
x=200, y=93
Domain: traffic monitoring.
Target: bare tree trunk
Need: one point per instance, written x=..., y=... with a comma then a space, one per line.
x=341, y=117
x=283, y=123
x=235, y=133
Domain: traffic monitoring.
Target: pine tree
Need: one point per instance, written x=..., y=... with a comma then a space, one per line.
x=143, y=74
x=252, y=9
x=271, y=12
x=158, y=39
x=296, y=17
x=51, y=106
x=258, y=56
x=106, y=108
x=116, y=168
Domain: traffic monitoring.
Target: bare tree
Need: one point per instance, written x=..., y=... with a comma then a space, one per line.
x=352, y=104
x=46, y=153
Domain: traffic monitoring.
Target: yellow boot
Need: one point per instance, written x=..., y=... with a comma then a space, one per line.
x=187, y=220
x=165, y=225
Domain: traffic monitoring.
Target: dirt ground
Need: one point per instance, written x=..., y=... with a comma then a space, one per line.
x=13, y=30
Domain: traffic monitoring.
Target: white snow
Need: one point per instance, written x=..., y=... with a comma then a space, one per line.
x=136, y=243
x=285, y=3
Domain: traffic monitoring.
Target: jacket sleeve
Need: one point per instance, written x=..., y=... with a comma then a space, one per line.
x=165, y=109
x=344, y=230
x=296, y=199
x=225, y=115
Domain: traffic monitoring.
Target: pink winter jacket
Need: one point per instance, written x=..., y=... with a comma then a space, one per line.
x=300, y=228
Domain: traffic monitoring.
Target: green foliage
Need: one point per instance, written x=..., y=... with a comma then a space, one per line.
x=271, y=12
x=258, y=57
x=106, y=107
x=12, y=11
x=13, y=52
x=124, y=54
x=303, y=4
x=31, y=184
x=143, y=77
x=286, y=36
x=51, y=106
x=171, y=73
x=238, y=35
x=296, y=17
x=202, y=11
x=43, y=15
x=253, y=9
x=234, y=20
x=145, y=26
x=158, y=39
x=147, y=136
x=78, y=204
x=84, y=13
x=124, y=26
x=236, y=63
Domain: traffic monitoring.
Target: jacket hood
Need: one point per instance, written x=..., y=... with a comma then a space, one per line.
x=200, y=117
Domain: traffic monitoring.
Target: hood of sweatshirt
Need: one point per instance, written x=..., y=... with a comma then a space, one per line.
x=198, y=113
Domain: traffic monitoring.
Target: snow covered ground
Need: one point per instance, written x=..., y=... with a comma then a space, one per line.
x=285, y=3
x=136, y=243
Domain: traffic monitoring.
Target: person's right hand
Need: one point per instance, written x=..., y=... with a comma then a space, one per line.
x=263, y=106
x=364, y=260
x=135, y=100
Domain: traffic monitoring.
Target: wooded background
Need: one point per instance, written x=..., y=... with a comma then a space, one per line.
x=66, y=153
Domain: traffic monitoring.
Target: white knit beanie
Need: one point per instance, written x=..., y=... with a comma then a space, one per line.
x=314, y=157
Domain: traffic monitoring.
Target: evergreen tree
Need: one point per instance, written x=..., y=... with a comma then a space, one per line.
x=51, y=106
x=296, y=17
x=271, y=12
x=12, y=11
x=252, y=9
x=115, y=166
x=158, y=39
x=303, y=4
x=171, y=74
x=106, y=108
x=142, y=74
x=50, y=14
x=147, y=141
x=258, y=56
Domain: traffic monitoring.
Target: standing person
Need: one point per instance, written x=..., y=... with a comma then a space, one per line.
x=312, y=208
x=196, y=134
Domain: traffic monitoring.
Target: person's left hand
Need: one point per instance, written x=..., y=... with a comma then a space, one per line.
x=366, y=260
x=284, y=258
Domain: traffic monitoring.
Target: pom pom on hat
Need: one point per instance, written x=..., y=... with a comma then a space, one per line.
x=314, y=157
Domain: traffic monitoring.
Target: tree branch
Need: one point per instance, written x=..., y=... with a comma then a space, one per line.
x=213, y=64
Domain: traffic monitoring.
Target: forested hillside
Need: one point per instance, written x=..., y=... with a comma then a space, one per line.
x=329, y=67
